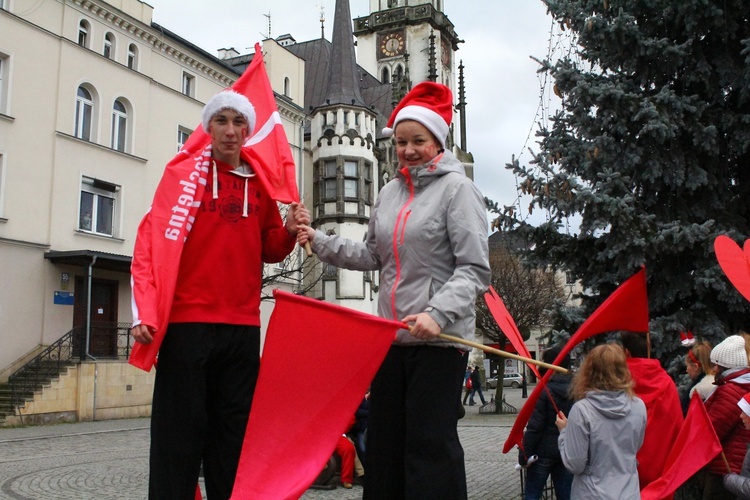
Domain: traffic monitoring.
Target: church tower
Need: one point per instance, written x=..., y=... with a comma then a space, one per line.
x=405, y=42
x=343, y=132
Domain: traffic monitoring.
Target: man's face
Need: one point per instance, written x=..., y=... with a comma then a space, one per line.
x=228, y=130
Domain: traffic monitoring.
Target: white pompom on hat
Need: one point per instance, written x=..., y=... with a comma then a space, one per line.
x=428, y=103
x=229, y=99
x=730, y=353
x=744, y=404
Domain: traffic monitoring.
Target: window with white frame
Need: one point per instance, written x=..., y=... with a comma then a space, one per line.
x=119, y=125
x=2, y=185
x=98, y=207
x=132, y=56
x=329, y=182
x=4, y=68
x=84, y=114
x=351, y=179
x=188, y=85
x=83, y=33
x=109, y=44
x=182, y=136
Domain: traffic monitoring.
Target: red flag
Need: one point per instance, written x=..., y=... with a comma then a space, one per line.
x=269, y=152
x=286, y=446
x=625, y=309
x=695, y=446
x=508, y=326
x=269, y=146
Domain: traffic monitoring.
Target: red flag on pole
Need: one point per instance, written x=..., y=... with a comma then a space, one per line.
x=508, y=326
x=695, y=446
x=339, y=351
x=735, y=262
x=625, y=309
x=269, y=150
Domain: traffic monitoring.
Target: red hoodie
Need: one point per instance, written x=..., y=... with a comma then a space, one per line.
x=664, y=416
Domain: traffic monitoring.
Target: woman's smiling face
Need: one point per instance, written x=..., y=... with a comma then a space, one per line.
x=415, y=144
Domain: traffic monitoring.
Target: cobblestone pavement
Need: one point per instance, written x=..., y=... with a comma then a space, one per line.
x=109, y=460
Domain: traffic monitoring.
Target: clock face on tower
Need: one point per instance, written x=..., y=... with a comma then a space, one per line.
x=391, y=44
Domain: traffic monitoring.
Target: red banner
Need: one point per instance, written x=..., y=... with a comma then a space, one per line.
x=328, y=355
x=508, y=325
x=625, y=309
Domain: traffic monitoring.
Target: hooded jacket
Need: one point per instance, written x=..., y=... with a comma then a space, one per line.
x=427, y=236
x=604, y=432
x=659, y=393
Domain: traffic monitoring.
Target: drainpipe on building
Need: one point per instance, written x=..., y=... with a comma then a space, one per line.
x=88, y=309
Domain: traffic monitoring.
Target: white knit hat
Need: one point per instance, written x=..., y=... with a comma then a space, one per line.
x=229, y=99
x=730, y=353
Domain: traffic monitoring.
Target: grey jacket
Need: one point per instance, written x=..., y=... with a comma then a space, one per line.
x=605, y=431
x=739, y=484
x=440, y=260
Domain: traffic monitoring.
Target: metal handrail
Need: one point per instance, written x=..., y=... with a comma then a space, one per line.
x=67, y=350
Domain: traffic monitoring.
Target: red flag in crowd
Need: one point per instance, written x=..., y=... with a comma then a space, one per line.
x=625, y=309
x=272, y=160
x=735, y=262
x=696, y=445
x=338, y=350
x=507, y=325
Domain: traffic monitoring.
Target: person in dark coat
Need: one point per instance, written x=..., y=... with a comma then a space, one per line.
x=476, y=386
x=541, y=435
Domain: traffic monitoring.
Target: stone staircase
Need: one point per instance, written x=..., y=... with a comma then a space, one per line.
x=24, y=384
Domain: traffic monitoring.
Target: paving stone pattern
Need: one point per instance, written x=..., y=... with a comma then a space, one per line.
x=108, y=460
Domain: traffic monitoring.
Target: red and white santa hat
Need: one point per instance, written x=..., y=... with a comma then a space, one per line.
x=744, y=404
x=428, y=103
x=229, y=99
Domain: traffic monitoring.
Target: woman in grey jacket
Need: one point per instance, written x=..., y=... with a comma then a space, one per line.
x=427, y=236
x=604, y=431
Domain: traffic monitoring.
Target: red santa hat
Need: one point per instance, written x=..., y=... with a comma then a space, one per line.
x=428, y=103
x=744, y=404
x=229, y=99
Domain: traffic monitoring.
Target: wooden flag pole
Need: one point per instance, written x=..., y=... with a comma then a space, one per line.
x=504, y=354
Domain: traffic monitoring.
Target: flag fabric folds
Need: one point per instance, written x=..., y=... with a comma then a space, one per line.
x=336, y=353
x=507, y=325
x=696, y=445
x=157, y=258
x=735, y=262
x=625, y=309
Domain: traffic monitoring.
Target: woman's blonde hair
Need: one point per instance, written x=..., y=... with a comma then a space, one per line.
x=702, y=352
x=603, y=369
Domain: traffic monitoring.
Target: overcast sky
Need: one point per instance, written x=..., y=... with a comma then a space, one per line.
x=502, y=86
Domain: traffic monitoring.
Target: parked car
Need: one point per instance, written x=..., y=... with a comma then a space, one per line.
x=513, y=380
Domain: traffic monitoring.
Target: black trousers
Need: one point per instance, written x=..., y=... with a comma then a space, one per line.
x=205, y=380
x=413, y=450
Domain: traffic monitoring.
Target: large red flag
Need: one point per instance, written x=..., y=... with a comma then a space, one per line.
x=269, y=146
x=735, y=262
x=508, y=326
x=695, y=446
x=625, y=309
x=336, y=352
x=156, y=257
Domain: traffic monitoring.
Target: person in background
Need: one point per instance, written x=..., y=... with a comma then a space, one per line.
x=658, y=392
x=476, y=387
x=701, y=372
x=739, y=484
x=732, y=383
x=358, y=431
x=605, y=429
x=541, y=435
x=209, y=359
x=467, y=383
x=427, y=236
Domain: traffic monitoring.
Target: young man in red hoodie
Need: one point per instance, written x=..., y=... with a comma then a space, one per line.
x=208, y=363
x=664, y=413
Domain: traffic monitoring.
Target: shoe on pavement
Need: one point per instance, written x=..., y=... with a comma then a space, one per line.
x=348, y=486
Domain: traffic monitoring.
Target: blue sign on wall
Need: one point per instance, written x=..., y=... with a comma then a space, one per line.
x=64, y=298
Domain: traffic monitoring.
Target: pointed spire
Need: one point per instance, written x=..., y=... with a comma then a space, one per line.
x=343, y=81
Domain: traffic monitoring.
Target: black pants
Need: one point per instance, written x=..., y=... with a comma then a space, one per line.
x=205, y=379
x=413, y=450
